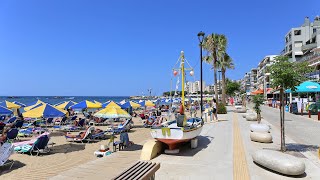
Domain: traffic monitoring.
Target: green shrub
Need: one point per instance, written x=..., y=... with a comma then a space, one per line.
x=222, y=109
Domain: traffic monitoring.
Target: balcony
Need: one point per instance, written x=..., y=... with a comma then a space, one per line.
x=308, y=46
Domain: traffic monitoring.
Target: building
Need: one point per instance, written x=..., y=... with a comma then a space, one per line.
x=300, y=38
x=194, y=87
x=263, y=75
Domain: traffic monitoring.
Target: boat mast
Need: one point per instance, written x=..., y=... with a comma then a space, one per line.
x=182, y=81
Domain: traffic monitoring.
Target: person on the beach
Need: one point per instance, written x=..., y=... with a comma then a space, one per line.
x=214, y=109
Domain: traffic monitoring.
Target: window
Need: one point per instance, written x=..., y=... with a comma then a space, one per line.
x=314, y=30
x=297, y=32
x=297, y=43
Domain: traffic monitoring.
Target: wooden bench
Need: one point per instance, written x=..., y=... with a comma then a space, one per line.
x=143, y=170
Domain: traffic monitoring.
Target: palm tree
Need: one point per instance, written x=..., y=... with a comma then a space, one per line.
x=215, y=45
x=225, y=63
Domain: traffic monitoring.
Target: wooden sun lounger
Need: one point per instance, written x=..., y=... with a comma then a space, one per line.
x=144, y=170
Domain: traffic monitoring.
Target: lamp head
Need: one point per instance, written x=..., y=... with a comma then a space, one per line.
x=200, y=36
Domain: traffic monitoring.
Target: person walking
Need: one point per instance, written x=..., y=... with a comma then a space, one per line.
x=214, y=109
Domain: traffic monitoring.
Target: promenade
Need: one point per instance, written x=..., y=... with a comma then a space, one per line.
x=224, y=152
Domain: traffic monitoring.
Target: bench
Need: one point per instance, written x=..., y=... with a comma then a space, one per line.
x=143, y=170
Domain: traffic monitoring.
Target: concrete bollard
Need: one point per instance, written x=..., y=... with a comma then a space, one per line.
x=309, y=113
x=205, y=117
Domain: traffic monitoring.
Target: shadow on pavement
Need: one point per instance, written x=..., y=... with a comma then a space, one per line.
x=203, y=142
x=301, y=147
x=270, y=170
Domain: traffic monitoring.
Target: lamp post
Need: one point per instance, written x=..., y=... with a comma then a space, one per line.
x=201, y=37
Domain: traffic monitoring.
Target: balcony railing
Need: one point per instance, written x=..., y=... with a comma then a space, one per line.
x=308, y=46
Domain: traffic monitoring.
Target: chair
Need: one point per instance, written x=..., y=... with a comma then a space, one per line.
x=18, y=123
x=73, y=118
x=2, y=118
x=122, y=128
x=49, y=121
x=5, y=152
x=39, y=146
x=12, y=134
x=81, y=137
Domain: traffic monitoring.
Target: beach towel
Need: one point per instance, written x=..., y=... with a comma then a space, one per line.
x=30, y=142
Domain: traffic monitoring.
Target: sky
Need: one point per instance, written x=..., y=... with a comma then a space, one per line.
x=124, y=47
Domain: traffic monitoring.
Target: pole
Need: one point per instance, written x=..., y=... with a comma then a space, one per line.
x=201, y=105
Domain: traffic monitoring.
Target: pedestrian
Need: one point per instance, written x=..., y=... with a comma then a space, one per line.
x=214, y=109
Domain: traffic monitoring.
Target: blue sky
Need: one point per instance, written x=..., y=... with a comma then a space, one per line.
x=82, y=47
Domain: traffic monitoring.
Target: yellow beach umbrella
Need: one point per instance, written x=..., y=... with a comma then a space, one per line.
x=65, y=105
x=113, y=105
x=134, y=105
x=97, y=102
x=112, y=112
x=9, y=105
x=32, y=106
x=44, y=111
x=149, y=103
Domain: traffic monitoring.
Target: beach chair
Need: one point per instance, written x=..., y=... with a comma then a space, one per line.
x=12, y=134
x=141, y=170
x=18, y=123
x=25, y=132
x=2, y=125
x=39, y=146
x=2, y=118
x=123, y=127
x=49, y=122
x=5, y=152
x=81, y=137
x=73, y=118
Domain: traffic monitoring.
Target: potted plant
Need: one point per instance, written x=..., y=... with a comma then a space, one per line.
x=258, y=101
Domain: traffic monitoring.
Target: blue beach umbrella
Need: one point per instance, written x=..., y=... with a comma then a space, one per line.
x=5, y=111
x=45, y=111
x=19, y=103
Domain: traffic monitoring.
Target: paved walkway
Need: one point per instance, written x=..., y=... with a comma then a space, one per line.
x=224, y=152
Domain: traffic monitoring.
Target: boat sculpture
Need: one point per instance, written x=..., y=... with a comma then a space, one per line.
x=182, y=129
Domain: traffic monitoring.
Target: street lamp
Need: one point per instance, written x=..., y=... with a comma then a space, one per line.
x=201, y=37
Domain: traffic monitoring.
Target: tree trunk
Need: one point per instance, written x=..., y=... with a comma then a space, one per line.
x=215, y=80
x=259, y=118
x=223, y=72
x=283, y=143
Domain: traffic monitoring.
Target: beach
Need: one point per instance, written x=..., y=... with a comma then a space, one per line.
x=64, y=155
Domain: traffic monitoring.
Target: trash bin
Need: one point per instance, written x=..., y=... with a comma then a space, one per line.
x=287, y=108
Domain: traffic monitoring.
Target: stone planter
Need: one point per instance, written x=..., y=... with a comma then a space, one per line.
x=261, y=137
x=259, y=128
x=279, y=162
x=251, y=117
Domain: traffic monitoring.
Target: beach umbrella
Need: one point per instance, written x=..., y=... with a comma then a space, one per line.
x=86, y=105
x=259, y=91
x=306, y=87
x=5, y=111
x=105, y=104
x=112, y=112
x=122, y=102
x=97, y=102
x=112, y=104
x=44, y=111
x=19, y=103
x=130, y=104
x=9, y=105
x=33, y=105
x=65, y=105
x=147, y=103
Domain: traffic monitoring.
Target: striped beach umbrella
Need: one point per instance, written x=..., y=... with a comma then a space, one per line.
x=86, y=105
x=130, y=104
x=112, y=104
x=44, y=111
x=9, y=105
x=33, y=105
x=66, y=105
x=5, y=111
x=19, y=103
x=112, y=112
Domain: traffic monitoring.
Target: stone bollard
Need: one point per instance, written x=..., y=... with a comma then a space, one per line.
x=205, y=117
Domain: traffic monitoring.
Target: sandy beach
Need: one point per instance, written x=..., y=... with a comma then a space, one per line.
x=64, y=155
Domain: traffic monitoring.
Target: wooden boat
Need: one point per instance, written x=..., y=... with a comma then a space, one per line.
x=182, y=129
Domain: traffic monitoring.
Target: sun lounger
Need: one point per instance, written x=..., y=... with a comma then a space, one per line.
x=81, y=137
x=5, y=152
x=30, y=142
x=39, y=146
x=123, y=127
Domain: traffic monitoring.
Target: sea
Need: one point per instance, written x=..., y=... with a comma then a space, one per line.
x=29, y=100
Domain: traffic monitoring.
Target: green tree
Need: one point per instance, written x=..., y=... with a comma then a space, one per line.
x=284, y=75
x=215, y=45
x=232, y=87
x=258, y=101
x=225, y=63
